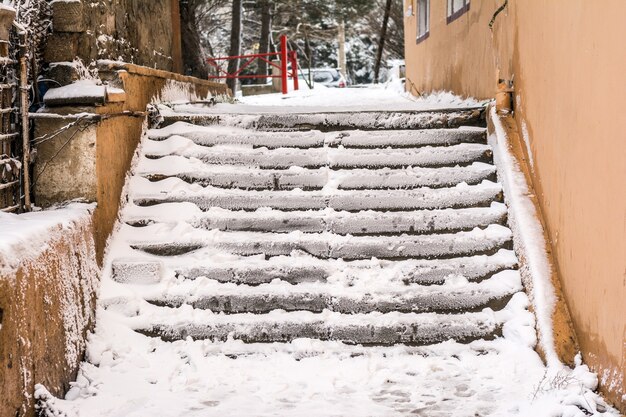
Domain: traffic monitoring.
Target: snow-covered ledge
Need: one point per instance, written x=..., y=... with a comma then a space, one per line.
x=48, y=282
x=556, y=338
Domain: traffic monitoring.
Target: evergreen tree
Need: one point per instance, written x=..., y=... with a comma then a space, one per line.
x=312, y=29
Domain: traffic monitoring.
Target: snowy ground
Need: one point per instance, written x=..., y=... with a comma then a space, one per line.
x=387, y=97
x=129, y=375
x=378, y=97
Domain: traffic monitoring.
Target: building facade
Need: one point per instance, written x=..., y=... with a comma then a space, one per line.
x=564, y=62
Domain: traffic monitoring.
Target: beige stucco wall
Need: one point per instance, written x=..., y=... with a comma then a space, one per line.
x=568, y=65
x=47, y=300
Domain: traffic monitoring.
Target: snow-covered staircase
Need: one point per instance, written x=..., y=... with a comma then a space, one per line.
x=373, y=237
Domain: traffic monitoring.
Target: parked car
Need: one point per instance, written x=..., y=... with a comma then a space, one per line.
x=328, y=77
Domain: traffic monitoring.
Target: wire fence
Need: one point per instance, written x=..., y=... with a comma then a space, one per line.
x=21, y=57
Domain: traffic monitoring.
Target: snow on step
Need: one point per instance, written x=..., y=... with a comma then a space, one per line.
x=296, y=270
x=325, y=245
x=232, y=176
x=334, y=120
x=463, y=154
x=218, y=135
x=358, y=298
x=412, y=177
x=279, y=326
x=408, y=138
x=146, y=193
x=363, y=222
x=356, y=236
x=425, y=221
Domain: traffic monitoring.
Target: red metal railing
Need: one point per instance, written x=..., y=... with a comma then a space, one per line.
x=285, y=56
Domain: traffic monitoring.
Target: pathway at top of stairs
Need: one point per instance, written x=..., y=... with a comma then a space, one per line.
x=313, y=266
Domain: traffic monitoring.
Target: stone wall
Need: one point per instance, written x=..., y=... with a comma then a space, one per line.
x=141, y=32
x=89, y=160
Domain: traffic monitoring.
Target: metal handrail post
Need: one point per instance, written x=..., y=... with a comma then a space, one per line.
x=283, y=63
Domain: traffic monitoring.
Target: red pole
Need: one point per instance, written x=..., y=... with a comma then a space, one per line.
x=283, y=63
x=294, y=68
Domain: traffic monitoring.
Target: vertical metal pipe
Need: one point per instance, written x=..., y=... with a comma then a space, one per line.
x=294, y=68
x=24, y=114
x=283, y=63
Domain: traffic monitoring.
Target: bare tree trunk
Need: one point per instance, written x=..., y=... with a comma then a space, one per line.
x=235, y=42
x=193, y=59
x=342, y=48
x=264, y=42
x=309, y=57
x=381, y=41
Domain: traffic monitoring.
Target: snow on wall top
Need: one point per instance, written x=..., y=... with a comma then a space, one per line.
x=25, y=236
x=529, y=238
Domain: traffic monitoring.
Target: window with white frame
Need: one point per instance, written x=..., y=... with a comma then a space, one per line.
x=423, y=19
x=456, y=8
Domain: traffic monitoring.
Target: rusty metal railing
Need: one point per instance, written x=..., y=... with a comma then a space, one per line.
x=286, y=59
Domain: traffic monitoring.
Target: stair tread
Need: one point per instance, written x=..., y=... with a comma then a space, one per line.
x=305, y=269
x=277, y=120
x=161, y=242
x=175, y=323
x=144, y=192
x=298, y=269
x=196, y=171
x=341, y=222
x=217, y=135
x=429, y=156
x=352, y=295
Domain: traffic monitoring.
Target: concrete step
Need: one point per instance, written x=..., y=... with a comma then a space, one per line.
x=327, y=245
x=347, y=120
x=361, y=297
x=192, y=170
x=283, y=158
x=217, y=135
x=359, y=223
x=145, y=193
x=279, y=326
x=408, y=138
x=296, y=270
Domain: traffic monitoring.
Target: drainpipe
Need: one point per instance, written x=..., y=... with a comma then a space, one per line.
x=504, y=94
x=504, y=97
x=24, y=89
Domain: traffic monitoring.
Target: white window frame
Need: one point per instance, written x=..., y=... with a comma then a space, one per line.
x=456, y=10
x=422, y=14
